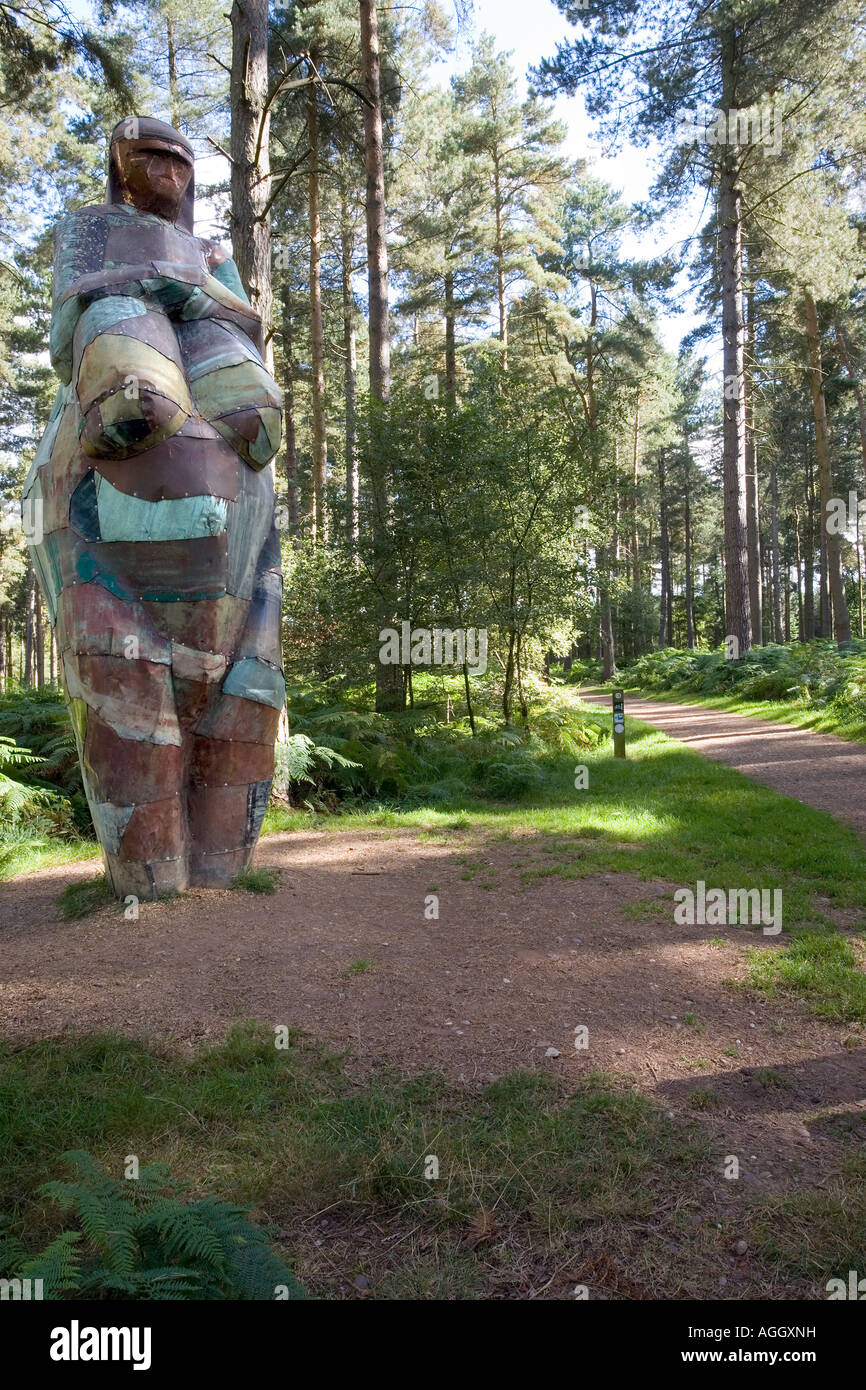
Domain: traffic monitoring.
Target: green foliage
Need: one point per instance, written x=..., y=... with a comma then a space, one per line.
x=15, y=796
x=301, y=764
x=38, y=721
x=81, y=899
x=258, y=880
x=814, y=673
x=41, y=793
x=421, y=756
x=137, y=1239
x=822, y=967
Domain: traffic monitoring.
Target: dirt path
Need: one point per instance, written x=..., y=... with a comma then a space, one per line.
x=346, y=950
x=819, y=769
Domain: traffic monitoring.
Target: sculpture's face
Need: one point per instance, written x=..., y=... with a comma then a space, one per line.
x=154, y=175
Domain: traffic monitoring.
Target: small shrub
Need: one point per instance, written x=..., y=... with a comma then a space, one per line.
x=138, y=1239
x=258, y=880
x=81, y=899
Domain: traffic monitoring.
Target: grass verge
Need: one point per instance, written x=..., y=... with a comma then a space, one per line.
x=400, y=1187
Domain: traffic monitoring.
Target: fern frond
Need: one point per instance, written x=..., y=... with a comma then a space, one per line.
x=58, y=1265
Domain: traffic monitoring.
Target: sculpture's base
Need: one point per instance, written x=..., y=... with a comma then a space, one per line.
x=153, y=879
x=218, y=870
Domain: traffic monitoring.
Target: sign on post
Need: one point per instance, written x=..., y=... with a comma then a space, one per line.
x=619, y=723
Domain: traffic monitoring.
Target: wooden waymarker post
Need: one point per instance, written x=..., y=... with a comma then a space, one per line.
x=619, y=723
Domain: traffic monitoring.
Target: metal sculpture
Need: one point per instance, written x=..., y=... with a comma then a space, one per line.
x=155, y=543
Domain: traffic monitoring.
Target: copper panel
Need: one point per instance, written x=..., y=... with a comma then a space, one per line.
x=216, y=763
x=211, y=625
x=156, y=830
x=261, y=636
x=125, y=770
x=218, y=870
x=92, y=620
x=234, y=718
x=191, y=700
x=178, y=467
x=191, y=665
x=152, y=241
x=134, y=697
x=217, y=818
x=148, y=879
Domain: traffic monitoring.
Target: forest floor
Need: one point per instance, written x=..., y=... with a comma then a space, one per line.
x=820, y=769
x=518, y=959
x=546, y=924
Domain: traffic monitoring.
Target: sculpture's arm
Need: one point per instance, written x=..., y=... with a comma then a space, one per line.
x=224, y=270
x=183, y=291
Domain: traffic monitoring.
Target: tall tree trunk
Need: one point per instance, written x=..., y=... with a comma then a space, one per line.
x=753, y=527
x=292, y=491
x=450, y=346
x=831, y=540
x=690, y=614
x=845, y=352
x=608, y=648
x=776, y=582
x=351, y=375
x=753, y=534
x=319, y=529
x=808, y=629
x=859, y=570
x=636, y=568
x=250, y=158
x=374, y=163
x=738, y=615
x=2, y=652
x=508, y=683
x=853, y=376
x=665, y=634
x=27, y=673
x=635, y=459
x=499, y=252
x=389, y=683
x=173, y=85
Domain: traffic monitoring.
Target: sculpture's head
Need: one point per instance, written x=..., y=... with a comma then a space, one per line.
x=150, y=166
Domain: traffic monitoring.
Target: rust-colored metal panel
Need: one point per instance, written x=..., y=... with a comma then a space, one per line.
x=211, y=625
x=216, y=763
x=155, y=830
x=123, y=770
x=218, y=870
x=134, y=697
x=232, y=717
x=167, y=570
x=217, y=817
x=178, y=467
x=92, y=620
